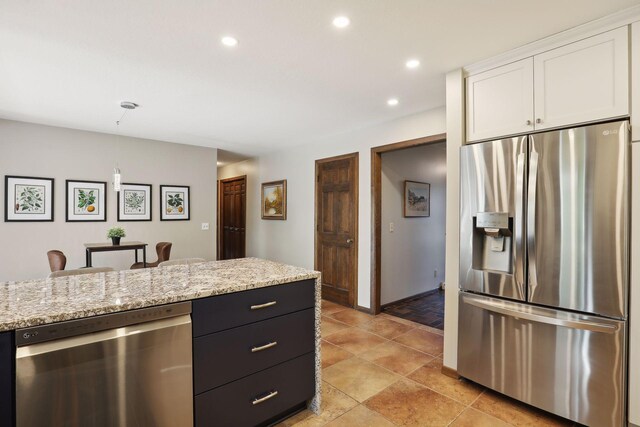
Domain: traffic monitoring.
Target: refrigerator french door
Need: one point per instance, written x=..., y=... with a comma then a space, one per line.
x=544, y=269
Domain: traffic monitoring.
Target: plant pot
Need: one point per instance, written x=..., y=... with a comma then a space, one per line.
x=115, y=241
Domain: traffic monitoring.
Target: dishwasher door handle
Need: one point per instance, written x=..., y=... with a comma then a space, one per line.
x=107, y=335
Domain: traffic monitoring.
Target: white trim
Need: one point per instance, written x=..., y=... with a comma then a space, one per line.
x=607, y=23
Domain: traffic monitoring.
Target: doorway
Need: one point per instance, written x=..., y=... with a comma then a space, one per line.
x=336, y=220
x=414, y=304
x=232, y=211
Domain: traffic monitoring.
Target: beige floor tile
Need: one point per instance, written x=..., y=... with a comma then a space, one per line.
x=329, y=326
x=434, y=330
x=329, y=307
x=461, y=390
x=515, y=412
x=332, y=354
x=406, y=403
x=361, y=416
x=386, y=328
x=334, y=404
x=396, y=357
x=355, y=340
x=422, y=340
x=436, y=363
x=352, y=317
x=358, y=378
x=473, y=418
x=400, y=320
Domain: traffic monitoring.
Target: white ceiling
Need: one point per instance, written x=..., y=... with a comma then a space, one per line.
x=292, y=78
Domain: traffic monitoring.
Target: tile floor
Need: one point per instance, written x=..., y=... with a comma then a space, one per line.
x=386, y=371
x=427, y=309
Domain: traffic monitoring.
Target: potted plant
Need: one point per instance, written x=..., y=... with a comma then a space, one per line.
x=115, y=234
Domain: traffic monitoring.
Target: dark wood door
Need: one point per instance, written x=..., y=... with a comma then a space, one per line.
x=336, y=254
x=233, y=211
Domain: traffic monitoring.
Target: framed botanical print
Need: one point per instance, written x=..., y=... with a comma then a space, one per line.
x=274, y=200
x=134, y=202
x=28, y=199
x=86, y=201
x=417, y=199
x=174, y=203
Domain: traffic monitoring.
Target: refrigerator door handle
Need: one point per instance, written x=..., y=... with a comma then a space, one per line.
x=531, y=221
x=502, y=308
x=518, y=226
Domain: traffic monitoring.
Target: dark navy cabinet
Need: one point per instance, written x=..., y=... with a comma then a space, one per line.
x=254, y=354
x=7, y=380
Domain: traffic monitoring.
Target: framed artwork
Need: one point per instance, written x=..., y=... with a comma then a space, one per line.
x=174, y=203
x=134, y=202
x=417, y=199
x=274, y=200
x=28, y=199
x=86, y=201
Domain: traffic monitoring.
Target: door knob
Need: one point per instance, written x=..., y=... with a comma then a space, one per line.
x=349, y=240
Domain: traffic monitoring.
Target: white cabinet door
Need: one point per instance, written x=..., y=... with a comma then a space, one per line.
x=635, y=81
x=583, y=81
x=500, y=101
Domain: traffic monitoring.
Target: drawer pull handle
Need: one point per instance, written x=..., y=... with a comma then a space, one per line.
x=265, y=305
x=274, y=393
x=264, y=347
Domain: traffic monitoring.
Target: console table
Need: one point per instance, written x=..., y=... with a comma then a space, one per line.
x=108, y=247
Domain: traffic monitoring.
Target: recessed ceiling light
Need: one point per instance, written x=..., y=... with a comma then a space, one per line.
x=412, y=63
x=392, y=102
x=229, y=41
x=341, y=21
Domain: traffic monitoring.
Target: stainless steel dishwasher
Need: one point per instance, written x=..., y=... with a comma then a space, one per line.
x=132, y=368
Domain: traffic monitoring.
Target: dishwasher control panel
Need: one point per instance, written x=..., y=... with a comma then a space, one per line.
x=71, y=328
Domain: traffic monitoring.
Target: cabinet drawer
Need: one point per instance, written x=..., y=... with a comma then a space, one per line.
x=236, y=404
x=228, y=311
x=235, y=353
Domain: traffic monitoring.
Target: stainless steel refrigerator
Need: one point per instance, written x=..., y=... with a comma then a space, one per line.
x=544, y=264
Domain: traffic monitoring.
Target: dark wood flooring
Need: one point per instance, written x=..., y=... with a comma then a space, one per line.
x=427, y=309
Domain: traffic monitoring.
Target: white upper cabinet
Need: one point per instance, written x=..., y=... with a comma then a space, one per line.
x=500, y=101
x=635, y=82
x=583, y=81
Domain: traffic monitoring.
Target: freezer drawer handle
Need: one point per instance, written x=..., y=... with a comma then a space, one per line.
x=264, y=347
x=265, y=305
x=499, y=308
x=271, y=395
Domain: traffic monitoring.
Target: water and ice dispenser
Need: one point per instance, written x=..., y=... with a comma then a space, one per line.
x=492, y=241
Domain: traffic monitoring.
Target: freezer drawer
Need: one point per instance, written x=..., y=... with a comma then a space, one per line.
x=568, y=364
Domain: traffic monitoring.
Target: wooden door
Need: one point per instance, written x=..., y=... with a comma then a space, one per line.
x=583, y=81
x=336, y=253
x=233, y=209
x=500, y=101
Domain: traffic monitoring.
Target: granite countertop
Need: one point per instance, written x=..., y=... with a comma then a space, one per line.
x=36, y=302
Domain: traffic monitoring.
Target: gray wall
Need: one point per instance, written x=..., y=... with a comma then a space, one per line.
x=60, y=153
x=416, y=248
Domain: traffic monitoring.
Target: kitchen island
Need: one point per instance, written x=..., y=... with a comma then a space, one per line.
x=225, y=296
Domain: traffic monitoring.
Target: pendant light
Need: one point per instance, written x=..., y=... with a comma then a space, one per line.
x=117, y=178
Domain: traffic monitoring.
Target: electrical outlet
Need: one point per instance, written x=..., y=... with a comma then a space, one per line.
x=205, y=225
x=392, y=227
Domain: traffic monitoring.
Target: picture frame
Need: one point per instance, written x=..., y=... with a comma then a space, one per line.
x=28, y=199
x=175, y=203
x=273, y=200
x=134, y=202
x=85, y=201
x=417, y=199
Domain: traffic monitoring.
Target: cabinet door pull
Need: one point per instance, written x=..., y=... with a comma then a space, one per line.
x=265, y=305
x=264, y=347
x=256, y=401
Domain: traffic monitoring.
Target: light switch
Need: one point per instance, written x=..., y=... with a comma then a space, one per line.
x=391, y=227
x=205, y=225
